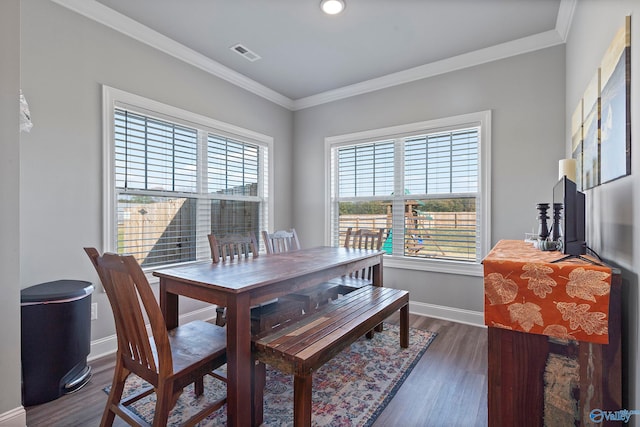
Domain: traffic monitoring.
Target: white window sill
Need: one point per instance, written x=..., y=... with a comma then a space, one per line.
x=448, y=267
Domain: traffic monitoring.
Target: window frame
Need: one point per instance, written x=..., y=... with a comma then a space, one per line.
x=480, y=119
x=115, y=98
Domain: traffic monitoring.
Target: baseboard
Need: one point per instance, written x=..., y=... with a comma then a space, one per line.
x=458, y=315
x=14, y=418
x=108, y=345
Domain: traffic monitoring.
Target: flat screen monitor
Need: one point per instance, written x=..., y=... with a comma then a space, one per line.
x=571, y=204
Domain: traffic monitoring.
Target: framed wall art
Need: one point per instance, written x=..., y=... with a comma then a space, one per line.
x=576, y=142
x=615, y=106
x=591, y=134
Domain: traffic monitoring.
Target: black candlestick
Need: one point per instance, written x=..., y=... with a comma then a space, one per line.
x=543, y=231
x=556, y=232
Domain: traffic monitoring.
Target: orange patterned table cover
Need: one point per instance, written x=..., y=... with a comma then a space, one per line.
x=524, y=291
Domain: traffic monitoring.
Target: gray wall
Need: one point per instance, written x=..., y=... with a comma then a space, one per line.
x=526, y=96
x=65, y=60
x=9, y=208
x=612, y=210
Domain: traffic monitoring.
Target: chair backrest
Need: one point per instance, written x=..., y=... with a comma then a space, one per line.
x=364, y=239
x=131, y=298
x=230, y=246
x=281, y=241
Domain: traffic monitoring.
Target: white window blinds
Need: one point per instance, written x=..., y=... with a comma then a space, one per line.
x=233, y=166
x=174, y=184
x=423, y=188
x=442, y=163
x=152, y=154
x=366, y=170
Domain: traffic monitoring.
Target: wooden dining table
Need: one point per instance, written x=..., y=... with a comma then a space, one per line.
x=240, y=284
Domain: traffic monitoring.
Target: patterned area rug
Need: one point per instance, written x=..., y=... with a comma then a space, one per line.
x=350, y=390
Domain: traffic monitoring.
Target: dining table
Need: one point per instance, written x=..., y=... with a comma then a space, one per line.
x=243, y=283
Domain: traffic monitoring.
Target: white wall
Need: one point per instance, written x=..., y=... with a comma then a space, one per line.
x=65, y=60
x=612, y=211
x=10, y=410
x=526, y=96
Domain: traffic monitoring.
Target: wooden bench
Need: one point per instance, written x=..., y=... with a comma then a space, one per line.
x=303, y=347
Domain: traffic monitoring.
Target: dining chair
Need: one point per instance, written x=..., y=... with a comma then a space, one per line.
x=168, y=360
x=359, y=239
x=280, y=241
x=227, y=248
x=230, y=246
x=265, y=316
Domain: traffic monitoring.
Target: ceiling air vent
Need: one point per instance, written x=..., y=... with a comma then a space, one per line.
x=245, y=52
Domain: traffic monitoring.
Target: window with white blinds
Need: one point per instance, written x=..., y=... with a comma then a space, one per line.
x=366, y=170
x=422, y=183
x=175, y=177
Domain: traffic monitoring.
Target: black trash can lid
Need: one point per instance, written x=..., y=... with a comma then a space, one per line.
x=57, y=291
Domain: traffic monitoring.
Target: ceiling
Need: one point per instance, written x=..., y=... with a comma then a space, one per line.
x=307, y=57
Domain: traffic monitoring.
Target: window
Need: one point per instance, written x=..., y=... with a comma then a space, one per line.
x=172, y=177
x=426, y=184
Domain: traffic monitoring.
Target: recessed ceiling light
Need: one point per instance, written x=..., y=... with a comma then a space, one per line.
x=332, y=7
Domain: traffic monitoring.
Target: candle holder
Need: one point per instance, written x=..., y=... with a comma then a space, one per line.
x=556, y=232
x=543, y=230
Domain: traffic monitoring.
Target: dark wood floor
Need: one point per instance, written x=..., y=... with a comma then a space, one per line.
x=448, y=387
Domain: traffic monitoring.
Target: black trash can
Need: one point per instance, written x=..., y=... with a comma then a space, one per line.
x=56, y=339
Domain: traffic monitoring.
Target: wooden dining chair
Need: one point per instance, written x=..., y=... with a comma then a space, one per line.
x=280, y=241
x=265, y=316
x=360, y=239
x=230, y=246
x=227, y=248
x=168, y=360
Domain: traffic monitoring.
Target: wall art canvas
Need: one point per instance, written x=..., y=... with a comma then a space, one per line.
x=615, y=122
x=591, y=135
x=576, y=142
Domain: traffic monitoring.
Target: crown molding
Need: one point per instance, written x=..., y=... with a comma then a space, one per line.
x=478, y=57
x=565, y=17
x=125, y=25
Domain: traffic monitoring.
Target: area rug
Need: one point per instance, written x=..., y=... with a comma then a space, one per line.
x=350, y=390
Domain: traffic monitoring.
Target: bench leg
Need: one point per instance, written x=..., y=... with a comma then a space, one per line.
x=404, y=326
x=259, y=380
x=302, y=400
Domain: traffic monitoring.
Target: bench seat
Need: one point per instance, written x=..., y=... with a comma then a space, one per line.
x=304, y=346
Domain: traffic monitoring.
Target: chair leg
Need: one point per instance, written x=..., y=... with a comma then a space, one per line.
x=302, y=400
x=198, y=386
x=220, y=316
x=115, y=395
x=164, y=397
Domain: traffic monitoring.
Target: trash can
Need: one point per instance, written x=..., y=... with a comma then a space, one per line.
x=56, y=339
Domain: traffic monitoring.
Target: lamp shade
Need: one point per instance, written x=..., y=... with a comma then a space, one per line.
x=567, y=167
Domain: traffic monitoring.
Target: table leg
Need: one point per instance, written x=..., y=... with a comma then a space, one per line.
x=404, y=326
x=259, y=381
x=239, y=361
x=168, y=305
x=377, y=281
